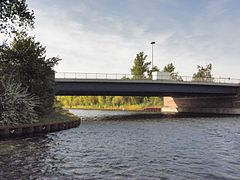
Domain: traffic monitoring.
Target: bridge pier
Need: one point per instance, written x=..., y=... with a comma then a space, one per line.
x=206, y=105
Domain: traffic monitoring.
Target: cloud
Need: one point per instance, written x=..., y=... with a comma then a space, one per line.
x=104, y=36
x=84, y=50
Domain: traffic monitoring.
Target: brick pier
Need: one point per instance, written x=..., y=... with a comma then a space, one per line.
x=211, y=105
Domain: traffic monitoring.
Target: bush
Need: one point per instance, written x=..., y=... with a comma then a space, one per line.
x=16, y=104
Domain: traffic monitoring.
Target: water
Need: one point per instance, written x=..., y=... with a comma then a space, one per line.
x=124, y=145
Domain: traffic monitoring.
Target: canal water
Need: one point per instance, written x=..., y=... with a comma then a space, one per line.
x=127, y=145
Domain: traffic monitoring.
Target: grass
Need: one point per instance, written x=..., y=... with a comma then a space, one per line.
x=58, y=116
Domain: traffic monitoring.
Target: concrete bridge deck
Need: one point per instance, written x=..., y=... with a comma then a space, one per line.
x=103, y=87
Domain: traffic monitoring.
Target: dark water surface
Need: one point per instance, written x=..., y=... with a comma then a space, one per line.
x=123, y=145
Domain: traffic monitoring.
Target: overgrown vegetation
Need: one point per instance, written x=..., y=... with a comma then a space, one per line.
x=26, y=75
x=25, y=61
x=16, y=104
x=110, y=102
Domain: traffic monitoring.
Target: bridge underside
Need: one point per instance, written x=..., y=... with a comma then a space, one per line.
x=178, y=97
x=130, y=88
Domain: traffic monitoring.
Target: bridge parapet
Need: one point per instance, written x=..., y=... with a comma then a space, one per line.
x=124, y=77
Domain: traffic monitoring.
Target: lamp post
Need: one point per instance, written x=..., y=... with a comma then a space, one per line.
x=152, y=43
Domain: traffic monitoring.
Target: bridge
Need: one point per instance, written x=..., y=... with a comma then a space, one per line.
x=215, y=95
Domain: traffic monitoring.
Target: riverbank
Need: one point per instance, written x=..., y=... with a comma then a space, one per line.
x=58, y=116
x=110, y=115
x=138, y=108
x=56, y=121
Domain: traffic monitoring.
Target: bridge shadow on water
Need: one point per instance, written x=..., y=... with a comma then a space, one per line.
x=150, y=115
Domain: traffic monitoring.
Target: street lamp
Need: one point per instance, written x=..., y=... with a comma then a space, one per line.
x=152, y=43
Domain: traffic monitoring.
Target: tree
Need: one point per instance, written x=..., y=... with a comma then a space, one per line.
x=203, y=74
x=108, y=100
x=117, y=101
x=15, y=15
x=25, y=59
x=140, y=66
x=154, y=69
x=125, y=78
x=169, y=68
x=101, y=100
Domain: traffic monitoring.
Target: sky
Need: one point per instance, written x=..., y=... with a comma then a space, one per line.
x=104, y=36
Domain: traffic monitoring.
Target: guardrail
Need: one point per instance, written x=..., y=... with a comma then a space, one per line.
x=172, y=77
x=72, y=75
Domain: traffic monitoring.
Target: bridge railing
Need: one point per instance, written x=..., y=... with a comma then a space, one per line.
x=110, y=76
x=113, y=76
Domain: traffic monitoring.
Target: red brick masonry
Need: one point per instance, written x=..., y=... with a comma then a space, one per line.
x=216, y=105
x=152, y=109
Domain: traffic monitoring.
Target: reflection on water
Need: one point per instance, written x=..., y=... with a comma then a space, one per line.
x=143, y=146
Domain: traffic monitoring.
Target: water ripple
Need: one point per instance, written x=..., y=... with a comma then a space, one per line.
x=137, y=148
